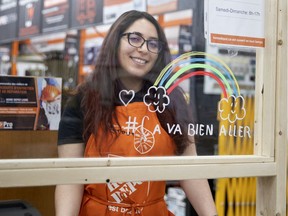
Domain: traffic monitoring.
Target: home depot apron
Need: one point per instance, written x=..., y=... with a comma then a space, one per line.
x=140, y=134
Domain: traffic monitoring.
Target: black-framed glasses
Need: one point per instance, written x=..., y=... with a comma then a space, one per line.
x=135, y=39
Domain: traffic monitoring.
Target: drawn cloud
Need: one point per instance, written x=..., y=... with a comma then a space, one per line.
x=232, y=108
x=156, y=99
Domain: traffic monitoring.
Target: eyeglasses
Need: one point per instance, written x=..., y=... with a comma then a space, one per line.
x=135, y=39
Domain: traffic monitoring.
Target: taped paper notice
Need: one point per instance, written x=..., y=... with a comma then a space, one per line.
x=235, y=23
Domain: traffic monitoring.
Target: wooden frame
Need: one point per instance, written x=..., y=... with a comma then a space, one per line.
x=268, y=164
x=272, y=98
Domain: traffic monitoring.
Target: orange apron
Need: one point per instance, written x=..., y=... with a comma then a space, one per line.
x=140, y=134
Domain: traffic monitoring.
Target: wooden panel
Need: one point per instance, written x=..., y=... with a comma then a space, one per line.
x=41, y=198
x=29, y=144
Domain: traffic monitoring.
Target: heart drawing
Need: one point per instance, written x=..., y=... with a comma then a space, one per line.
x=126, y=95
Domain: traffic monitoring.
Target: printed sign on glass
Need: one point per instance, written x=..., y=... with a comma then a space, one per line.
x=235, y=23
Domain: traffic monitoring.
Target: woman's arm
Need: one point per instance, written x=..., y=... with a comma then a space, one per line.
x=68, y=197
x=198, y=191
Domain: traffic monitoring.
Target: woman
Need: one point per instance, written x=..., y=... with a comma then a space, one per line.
x=120, y=119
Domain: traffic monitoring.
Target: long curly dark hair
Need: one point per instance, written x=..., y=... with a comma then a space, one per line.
x=99, y=101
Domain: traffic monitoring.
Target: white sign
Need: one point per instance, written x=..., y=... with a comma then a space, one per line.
x=113, y=9
x=235, y=22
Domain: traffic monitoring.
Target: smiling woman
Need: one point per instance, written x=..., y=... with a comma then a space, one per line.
x=137, y=60
x=111, y=102
x=124, y=116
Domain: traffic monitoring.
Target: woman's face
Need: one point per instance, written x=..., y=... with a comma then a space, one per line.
x=137, y=62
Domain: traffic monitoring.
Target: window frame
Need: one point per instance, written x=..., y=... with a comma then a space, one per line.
x=268, y=164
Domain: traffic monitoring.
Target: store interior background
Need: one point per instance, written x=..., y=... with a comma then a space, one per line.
x=71, y=53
